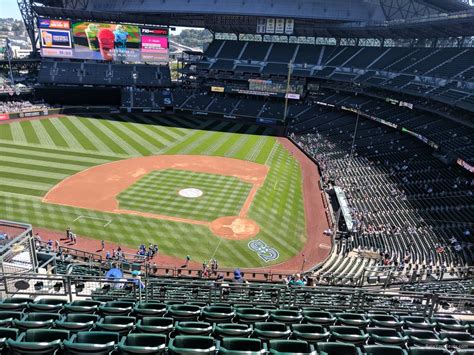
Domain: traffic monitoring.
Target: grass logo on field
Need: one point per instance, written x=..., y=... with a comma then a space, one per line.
x=263, y=250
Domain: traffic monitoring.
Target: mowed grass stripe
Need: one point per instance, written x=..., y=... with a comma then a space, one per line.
x=116, y=143
x=244, y=151
x=239, y=144
x=30, y=134
x=31, y=177
x=102, y=142
x=6, y=132
x=14, y=163
x=145, y=141
x=170, y=133
x=267, y=146
x=77, y=135
x=64, y=157
x=32, y=172
x=22, y=190
x=18, y=135
x=67, y=153
x=125, y=140
x=49, y=158
x=38, y=162
x=43, y=136
x=53, y=132
x=154, y=141
x=36, y=185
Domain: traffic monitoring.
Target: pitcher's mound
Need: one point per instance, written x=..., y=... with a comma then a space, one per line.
x=234, y=227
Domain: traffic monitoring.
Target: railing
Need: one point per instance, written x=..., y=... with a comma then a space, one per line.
x=208, y=292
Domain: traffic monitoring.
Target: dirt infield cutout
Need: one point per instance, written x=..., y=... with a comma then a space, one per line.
x=97, y=188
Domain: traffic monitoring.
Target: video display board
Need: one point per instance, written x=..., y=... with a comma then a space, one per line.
x=103, y=41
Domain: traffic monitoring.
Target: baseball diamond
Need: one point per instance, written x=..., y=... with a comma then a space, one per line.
x=251, y=184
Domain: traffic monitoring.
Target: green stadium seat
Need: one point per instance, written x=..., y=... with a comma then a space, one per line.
x=464, y=352
x=120, y=324
x=417, y=322
x=15, y=304
x=149, y=309
x=385, y=321
x=50, y=305
x=82, y=306
x=36, y=320
x=348, y=334
x=386, y=336
x=5, y=334
x=337, y=349
x=140, y=343
x=77, y=322
x=6, y=317
x=312, y=333
x=227, y=330
x=286, y=316
x=287, y=347
x=164, y=325
x=318, y=317
x=184, y=312
x=38, y=341
x=384, y=350
x=458, y=339
x=352, y=319
x=97, y=343
x=193, y=328
x=251, y=315
x=247, y=346
x=424, y=338
x=271, y=330
x=428, y=351
x=448, y=323
x=116, y=308
x=218, y=314
x=191, y=344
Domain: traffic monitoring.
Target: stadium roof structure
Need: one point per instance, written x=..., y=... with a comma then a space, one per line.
x=313, y=18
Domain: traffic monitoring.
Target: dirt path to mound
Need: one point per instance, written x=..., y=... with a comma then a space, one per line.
x=317, y=246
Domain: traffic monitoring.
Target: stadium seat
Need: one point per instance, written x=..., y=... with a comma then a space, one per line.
x=312, y=333
x=385, y=321
x=163, y=325
x=149, y=309
x=458, y=339
x=227, y=330
x=383, y=350
x=218, y=314
x=38, y=341
x=189, y=344
x=120, y=324
x=415, y=322
x=271, y=330
x=251, y=315
x=193, y=328
x=77, y=322
x=51, y=305
x=352, y=319
x=36, y=320
x=448, y=323
x=184, y=312
x=286, y=316
x=318, y=317
x=82, y=306
x=348, y=334
x=116, y=308
x=7, y=317
x=427, y=351
x=242, y=346
x=424, y=338
x=386, y=336
x=286, y=347
x=143, y=344
x=15, y=304
x=5, y=334
x=99, y=343
x=337, y=349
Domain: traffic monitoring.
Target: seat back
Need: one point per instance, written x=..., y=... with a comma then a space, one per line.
x=241, y=344
x=289, y=346
x=46, y=335
x=143, y=339
x=97, y=337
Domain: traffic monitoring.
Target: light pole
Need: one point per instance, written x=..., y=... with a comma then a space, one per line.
x=354, y=137
x=290, y=64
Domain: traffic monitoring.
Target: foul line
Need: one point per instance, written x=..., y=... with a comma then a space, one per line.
x=96, y=218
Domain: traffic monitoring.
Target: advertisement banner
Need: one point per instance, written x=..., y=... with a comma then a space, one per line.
x=4, y=117
x=55, y=38
x=51, y=23
x=154, y=44
x=104, y=41
x=217, y=89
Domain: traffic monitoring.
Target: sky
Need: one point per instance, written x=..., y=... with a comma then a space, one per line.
x=9, y=8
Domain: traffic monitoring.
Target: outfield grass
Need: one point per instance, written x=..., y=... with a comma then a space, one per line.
x=158, y=193
x=36, y=155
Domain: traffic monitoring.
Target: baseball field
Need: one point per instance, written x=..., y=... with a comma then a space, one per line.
x=207, y=190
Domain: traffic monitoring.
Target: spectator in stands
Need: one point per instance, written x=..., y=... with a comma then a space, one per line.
x=238, y=277
x=102, y=245
x=296, y=281
x=186, y=261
